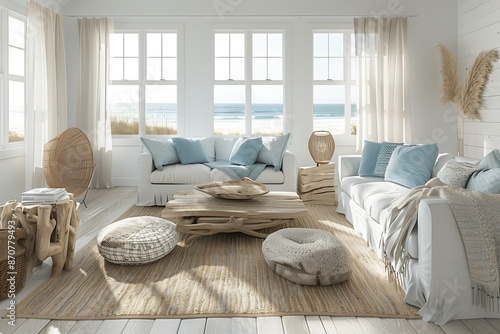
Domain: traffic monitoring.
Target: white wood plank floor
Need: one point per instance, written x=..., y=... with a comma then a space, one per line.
x=105, y=205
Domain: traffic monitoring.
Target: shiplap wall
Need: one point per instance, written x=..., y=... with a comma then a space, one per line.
x=479, y=29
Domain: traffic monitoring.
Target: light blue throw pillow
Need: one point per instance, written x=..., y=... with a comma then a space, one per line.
x=190, y=151
x=369, y=158
x=383, y=158
x=272, y=151
x=491, y=160
x=486, y=181
x=245, y=151
x=162, y=152
x=411, y=165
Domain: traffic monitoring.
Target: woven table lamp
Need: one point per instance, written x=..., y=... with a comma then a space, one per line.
x=68, y=161
x=321, y=147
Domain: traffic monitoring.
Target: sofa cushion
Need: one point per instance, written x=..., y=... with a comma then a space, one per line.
x=375, y=197
x=190, y=151
x=209, y=148
x=411, y=165
x=245, y=151
x=162, y=152
x=190, y=174
x=272, y=151
x=440, y=162
x=347, y=182
x=270, y=176
x=456, y=174
x=224, y=147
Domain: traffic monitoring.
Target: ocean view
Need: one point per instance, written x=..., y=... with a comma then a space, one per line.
x=229, y=116
x=227, y=111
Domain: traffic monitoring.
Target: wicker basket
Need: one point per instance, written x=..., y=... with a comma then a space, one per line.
x=18, y=266
x=68, y=161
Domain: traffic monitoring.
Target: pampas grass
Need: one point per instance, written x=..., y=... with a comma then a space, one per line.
x=449, y=75
x=469, y=96
x=471, y=99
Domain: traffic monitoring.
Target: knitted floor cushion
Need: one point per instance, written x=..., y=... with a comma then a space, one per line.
x=307, y=256
x=137, y=240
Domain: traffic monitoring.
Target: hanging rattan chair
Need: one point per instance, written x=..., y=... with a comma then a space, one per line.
x=68, y=161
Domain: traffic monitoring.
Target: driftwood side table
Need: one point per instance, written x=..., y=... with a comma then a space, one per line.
x=315, y=184
x=50, y=231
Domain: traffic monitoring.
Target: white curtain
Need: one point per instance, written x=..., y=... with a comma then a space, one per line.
x=383, y=83
x=46, y=107
x=91, y=110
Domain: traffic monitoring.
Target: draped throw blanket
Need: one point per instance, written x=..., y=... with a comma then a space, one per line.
x=478, y=219
x=237, y=172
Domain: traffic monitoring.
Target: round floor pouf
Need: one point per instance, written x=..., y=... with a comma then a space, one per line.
x=307, y=256
x=137, y=240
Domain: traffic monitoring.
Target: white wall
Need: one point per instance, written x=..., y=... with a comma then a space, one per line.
x=478, y=30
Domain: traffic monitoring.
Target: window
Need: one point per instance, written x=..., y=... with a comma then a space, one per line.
x=12, y=78
x=334, y=85
x=142, y=96
x=248, y=83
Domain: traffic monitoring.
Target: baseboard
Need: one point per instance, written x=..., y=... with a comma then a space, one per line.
x=125, y=182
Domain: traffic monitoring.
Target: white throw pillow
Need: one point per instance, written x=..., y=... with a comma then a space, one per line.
x=456, y=173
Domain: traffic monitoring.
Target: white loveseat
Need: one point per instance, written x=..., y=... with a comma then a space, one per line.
x=156, y=187
x=437, y=279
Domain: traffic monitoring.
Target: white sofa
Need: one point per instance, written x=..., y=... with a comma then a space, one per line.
x=156, y=187
x=438, y=278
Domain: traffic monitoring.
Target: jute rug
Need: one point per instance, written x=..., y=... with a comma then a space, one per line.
x=216, y=276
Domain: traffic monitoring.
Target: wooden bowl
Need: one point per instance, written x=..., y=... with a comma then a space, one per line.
x=239, y=189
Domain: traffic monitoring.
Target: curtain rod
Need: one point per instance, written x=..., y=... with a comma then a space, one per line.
x=233, y=16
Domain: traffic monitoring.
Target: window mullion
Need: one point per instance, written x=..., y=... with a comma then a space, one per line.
x=267, y=57
x=123, y=56
x=248, y=83
x=229, y=60
x=347, y=80
x=142, y=83
x=161, y=58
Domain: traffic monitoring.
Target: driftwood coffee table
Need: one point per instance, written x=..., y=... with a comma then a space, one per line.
x=201, y=214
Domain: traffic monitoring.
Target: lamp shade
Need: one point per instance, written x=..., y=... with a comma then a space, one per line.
x=321, y=146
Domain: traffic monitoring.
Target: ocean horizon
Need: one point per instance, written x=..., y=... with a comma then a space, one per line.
x=226, y=111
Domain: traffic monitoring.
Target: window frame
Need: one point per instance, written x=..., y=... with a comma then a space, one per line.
x=10, y=149
x=142, y=29
x=348, y=82
x=248, y=29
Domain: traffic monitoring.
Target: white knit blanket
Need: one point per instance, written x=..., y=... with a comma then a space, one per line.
x=478, y=219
